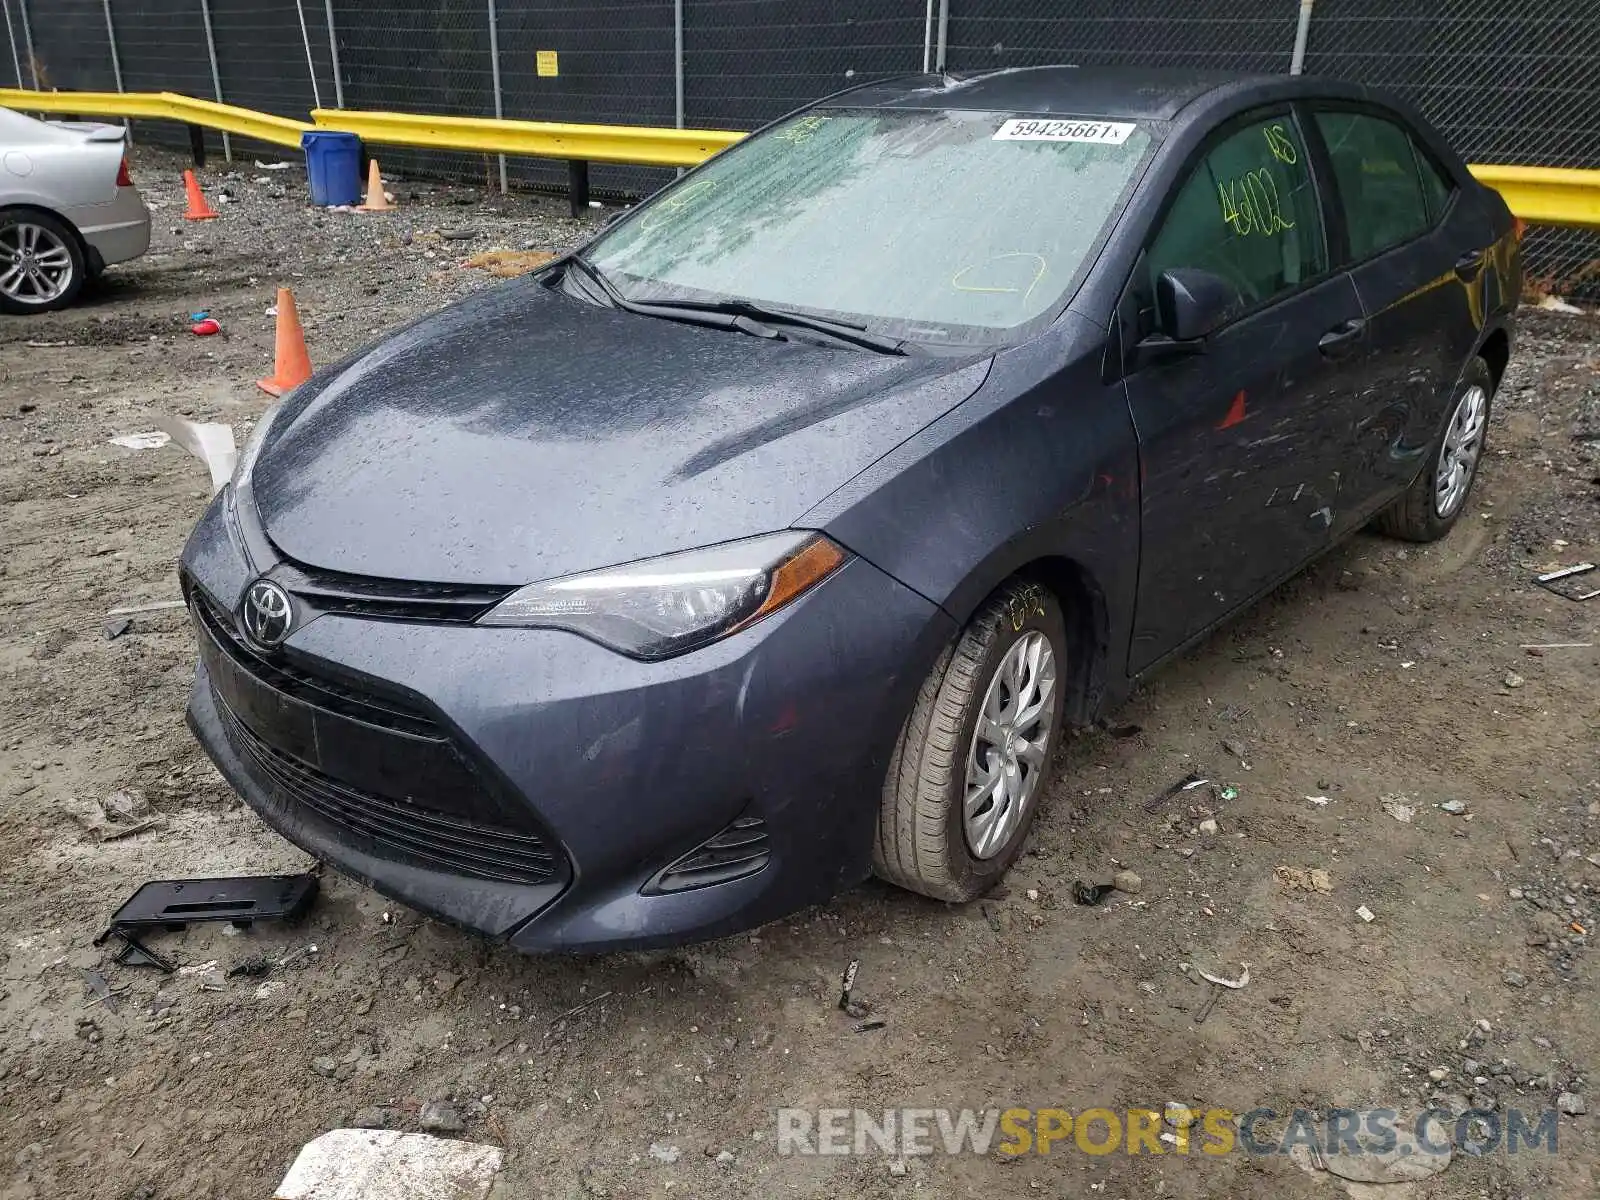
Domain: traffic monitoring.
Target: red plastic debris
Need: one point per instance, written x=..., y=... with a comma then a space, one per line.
x=205, y=328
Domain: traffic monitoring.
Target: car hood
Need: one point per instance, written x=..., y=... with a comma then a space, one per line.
x=523, y=435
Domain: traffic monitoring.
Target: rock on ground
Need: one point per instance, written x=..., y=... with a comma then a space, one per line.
x=381, y=1164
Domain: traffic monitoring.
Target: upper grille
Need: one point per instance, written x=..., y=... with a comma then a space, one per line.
x=365, y=596
x=396, y=830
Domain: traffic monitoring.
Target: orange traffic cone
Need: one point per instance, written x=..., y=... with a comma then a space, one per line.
x=198, y=209
x=376, y=200
x=292, y=365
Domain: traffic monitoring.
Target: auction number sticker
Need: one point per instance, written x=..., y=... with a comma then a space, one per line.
x=1033, y=129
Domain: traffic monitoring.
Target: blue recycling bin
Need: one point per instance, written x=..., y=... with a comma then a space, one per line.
x=333, y=165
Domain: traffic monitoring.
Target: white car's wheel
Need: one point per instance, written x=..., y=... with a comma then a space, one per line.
x=41, y=262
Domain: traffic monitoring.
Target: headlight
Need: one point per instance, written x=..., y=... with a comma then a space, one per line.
x=252, y=448
x=664, y=606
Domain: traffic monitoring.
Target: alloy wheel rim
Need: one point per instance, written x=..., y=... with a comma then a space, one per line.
x=35, y=264
x=1458, y=457
x=1010, y=745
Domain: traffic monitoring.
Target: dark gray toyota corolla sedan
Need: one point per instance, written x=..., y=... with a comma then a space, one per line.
x=779, y=536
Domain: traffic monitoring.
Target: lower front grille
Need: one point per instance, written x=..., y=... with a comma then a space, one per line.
x=739, y=850
x=392, y=829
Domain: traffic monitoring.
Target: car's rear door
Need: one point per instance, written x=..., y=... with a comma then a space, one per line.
x=1240, y=449
x=1416, y=245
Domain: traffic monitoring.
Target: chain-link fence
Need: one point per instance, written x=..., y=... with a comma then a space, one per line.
x=1509, y=81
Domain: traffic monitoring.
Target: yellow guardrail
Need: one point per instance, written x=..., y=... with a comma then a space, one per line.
x=164, y=106
x=643, y=145
x=1539, y=195
x=1546, y=195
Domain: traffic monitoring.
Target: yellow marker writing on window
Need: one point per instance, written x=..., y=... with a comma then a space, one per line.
x=1281, y=145
x=1250, y=204
x=959, y=276
x=670, y=206
x=802, y=129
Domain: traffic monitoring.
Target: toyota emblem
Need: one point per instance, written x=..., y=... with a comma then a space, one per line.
x=267, y=613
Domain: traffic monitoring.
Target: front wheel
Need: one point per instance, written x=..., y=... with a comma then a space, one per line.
x=975, y=755
x=1437, y=497
x=42, y=266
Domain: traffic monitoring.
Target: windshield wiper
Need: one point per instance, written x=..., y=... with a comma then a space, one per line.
x=597, y=277
x=689, y=315
x=844, y=331
x=744, y=315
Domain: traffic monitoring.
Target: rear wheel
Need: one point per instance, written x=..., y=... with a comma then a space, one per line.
x=42, y=266
x=1438, y=496
x=976, y=752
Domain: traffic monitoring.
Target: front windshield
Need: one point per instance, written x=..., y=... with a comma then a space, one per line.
x=928, y=225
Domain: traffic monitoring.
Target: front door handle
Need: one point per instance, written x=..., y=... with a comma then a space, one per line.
x=1341, y=339
x=1469, y=264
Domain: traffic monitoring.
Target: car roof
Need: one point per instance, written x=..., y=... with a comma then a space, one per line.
x=1148, y=93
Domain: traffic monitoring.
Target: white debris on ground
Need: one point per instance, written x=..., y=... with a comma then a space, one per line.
x=384, y=1164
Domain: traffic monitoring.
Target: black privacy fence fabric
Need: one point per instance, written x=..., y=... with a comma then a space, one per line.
x=1507, y=80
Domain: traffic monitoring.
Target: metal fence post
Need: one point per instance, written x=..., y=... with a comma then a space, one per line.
x=677, y=61
x=111, y=40
x=216, y=77
x=944, y=34
x=333, y=55
x=578, y=186
x=27, y=42
x=494, y=72
x=677, y=67
x=927, y=39
x=11, y=36
x=311, y=67
x=1302, y=32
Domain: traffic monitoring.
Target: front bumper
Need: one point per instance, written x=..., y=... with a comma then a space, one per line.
x=615, y=769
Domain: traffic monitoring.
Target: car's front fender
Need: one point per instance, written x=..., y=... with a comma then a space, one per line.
x=1037, y=472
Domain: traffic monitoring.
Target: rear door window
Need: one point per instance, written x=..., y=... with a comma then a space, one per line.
x=1248, y=212
x=1437, y=187
x=1389, y=193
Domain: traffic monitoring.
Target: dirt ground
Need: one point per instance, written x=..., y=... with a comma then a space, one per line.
x=1386, y=671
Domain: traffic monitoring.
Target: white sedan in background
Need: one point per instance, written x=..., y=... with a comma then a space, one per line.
x=67, y=209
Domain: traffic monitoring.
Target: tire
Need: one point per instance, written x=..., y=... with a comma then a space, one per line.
x=923, y=841
x=49, y=246
x=1416, y=516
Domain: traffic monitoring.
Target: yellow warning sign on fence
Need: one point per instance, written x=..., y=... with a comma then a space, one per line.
x=546, y=64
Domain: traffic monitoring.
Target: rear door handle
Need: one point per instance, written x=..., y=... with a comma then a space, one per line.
x=1469, y=264
x=1341, y=339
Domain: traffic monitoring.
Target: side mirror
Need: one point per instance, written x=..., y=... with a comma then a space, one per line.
x=1191, y=303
